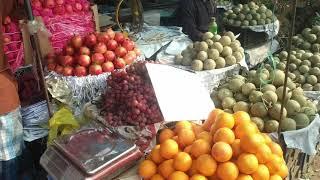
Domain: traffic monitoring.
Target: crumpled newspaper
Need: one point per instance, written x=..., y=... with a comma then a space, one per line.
x=271, y=29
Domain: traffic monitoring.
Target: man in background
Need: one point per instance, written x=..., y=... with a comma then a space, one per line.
x=11, y=132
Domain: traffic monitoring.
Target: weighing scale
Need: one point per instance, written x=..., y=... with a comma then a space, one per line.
x=89, y=154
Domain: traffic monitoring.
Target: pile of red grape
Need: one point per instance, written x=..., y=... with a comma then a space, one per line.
x=130, y=98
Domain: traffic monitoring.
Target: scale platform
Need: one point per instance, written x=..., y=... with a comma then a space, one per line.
x=91, y=153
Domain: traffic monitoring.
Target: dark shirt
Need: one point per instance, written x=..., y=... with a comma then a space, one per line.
x=194, y=17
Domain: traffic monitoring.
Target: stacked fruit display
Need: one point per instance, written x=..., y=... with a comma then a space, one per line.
x=261, y=94
x=94, y=54
x=309, y=39
x=250, y=14
x=223, y=2
x=304, y=68
x=213, y=52
x=130, y=98
x=226, y=147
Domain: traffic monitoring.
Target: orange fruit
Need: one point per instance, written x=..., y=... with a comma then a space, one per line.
x=182, y=161
x=276, y=149
x=247, y=163
x=263, y=153
x=227, y=171
x=275, y=177
x=178, y=175
x=182, y=125
x=193, y=170
x=196, y=128
x=157, y=177
x=200, y=147
x=274, y=164
x=283, y=171
x=214, y=177
x=244, y=177
x=206, y=165
x=241, y=117
x=211, y=119
x=221, y=152
x=166, y=168
x=155, y=155
x=147, y=169
x=224, y=120
x=245, y=128
x=267, y=138
x=251, y=142
x=175, y=138
x=165, y=134
x=225, y=135
x=187, y=149
x=262, y=173
x=205, y=135
x=169, y=148
x=236, y=149
x=186, y=137
x=198, y=177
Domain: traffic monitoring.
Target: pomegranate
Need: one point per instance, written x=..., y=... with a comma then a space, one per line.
x=66, y=61
x=119, y=63
x=91, y=40
x=36, y=13
x=6, y=39
x=128, y=44
x=77, y=7
x=120, y=51
x=49, y=4
x=86, y=6
x=59, y=2
x=58, y=69
x=95, y=69
x=107, y=67
x=112, y=45
x=67, y=71
x=68, y=8
x=110, y=33
x=80, y=71
x=76, y=41
x=51, y=66
x=59, y=10
x=7, y=20
x=119, y=37
x=100, y=48
x=46, y=12
x=132, y=53
x=51, y=60
x=137, y=51
x=128, y=59
x=68, y=50
x=84, y=60
x=36, y=5
x=84, y=50
x=109, y=56
x=97, y=58
x=103, y=37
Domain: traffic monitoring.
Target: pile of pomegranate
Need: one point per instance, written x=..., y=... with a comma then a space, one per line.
x=94, y=54
x=130, y=98
x=50, y=8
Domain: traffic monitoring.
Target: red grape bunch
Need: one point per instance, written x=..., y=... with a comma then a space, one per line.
x=130, y=98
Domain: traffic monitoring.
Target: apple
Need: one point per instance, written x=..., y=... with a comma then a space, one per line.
x=100, y=48
x=51, y=66
x=119, y=37
x=84, y=60
x=80, y=71
x=109, y=56
x=112, y=45
x=97, y=58
x=128, y=44
x=84, y=51
x=110, y=33
x=103, y=37
x=107, y=66
x=128, y=59
x=67, y=71
x=58, y=69
x=119, y=63
x=76, y=41
x=121, y=51
x=66, y=61
x=95, y=69
x=68, y=50
x=91, y=40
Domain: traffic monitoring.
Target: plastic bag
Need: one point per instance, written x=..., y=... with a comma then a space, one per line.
x=63, y=122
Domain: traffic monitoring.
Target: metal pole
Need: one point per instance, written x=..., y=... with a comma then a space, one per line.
x=37, y=54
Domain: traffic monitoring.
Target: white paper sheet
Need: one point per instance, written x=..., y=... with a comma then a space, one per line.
x=180, y=94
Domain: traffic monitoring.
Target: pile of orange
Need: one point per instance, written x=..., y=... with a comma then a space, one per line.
x=226, y=147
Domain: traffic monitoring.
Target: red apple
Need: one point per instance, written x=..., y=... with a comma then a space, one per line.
x=7, y=20
x=120, y=51
x=76, y=41
x=103, y=37
x=128, y=44
x=80, y=71
x=119, y=63
x=58, y=69
x=110, y=56
x=67, y=71
x=66, y=61
x=137, y=51
x=95, y=69
x=68, y=50
x=112, y=45
x=51, y=66
x=84, y=60
x=119, y=37
x=84, y=51
x=91, y=40
x=100, y=48
x=110, y=33
x=97, y=58
x=107, y=66
x=128, y=59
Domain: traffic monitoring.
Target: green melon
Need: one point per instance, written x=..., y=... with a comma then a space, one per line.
x=197, y=65
x=274, y=112
x=247, y=88
x=228, y=103
x=302, y=120
x=241, y=106
x=259, y=122
x=292, y=107
x=209, y=64
x=224, y=92
x=240, y=97
x=235, y=85
x=271, y=126
x=220, y=63
x=258, y=110
x=307, y=87
x=279, y=93
x=288, y=124
x=255, y=96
